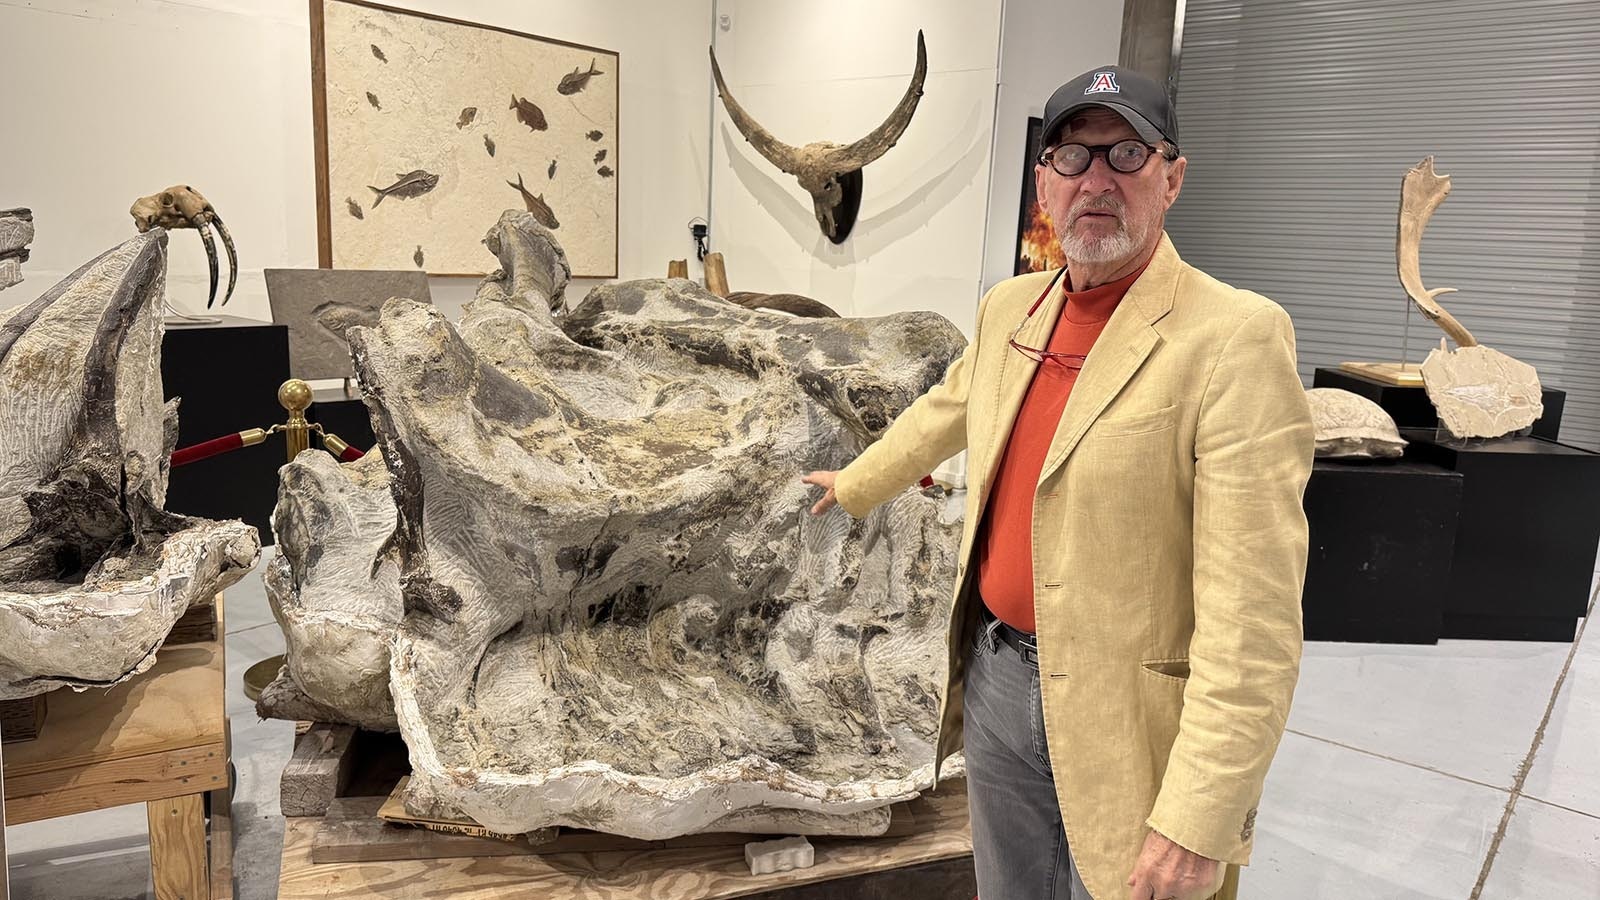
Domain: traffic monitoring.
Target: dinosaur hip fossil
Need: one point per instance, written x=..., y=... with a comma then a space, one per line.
x=181, y=206
x=830, y=173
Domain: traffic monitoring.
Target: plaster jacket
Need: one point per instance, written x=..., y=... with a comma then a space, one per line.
x=1169, y=549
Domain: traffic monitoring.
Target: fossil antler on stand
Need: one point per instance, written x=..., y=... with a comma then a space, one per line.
x=1420, y=194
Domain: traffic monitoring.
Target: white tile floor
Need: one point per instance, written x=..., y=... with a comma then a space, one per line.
x=1398, y=780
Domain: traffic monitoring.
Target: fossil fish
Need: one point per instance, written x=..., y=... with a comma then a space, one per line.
x=552, y=172
x=354, y=207
x=528, y=114
x=594, y=135
x=411, y=184
x=373, y=99
x=536, y=205
x=417, y=256
x=575, y=81
x=379, y=54
x=488, y=144
x=467, y=115
x=603, y=172
x=601, y=156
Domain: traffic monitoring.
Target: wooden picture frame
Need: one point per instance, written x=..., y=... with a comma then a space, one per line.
x=592, y=217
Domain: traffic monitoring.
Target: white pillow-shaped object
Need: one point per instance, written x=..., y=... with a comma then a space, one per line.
x=1350, y=425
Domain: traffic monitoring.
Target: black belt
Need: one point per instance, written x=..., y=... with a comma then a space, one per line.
x=1026, y=645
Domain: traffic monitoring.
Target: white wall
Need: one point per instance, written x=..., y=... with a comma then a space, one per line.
x=833, y=70
x=1042, y=44
x=126, y=97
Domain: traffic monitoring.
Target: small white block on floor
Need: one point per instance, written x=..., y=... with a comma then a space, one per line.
x=766, y=857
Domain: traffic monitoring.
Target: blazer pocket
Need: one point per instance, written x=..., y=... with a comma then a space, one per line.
x=1172, y=669
x=1139, y=423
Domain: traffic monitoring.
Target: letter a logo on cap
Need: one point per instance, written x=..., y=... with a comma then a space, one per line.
x=1103, y=83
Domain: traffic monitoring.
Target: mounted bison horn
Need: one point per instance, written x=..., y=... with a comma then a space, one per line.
x=181, y=206
x=830, y=173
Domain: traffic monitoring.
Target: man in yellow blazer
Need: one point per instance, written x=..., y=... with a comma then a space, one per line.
x=1138, y=444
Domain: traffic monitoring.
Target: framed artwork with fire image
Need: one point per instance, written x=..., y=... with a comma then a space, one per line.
x=1037, y=248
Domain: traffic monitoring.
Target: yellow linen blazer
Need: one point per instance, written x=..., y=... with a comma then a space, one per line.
x=1169, y=551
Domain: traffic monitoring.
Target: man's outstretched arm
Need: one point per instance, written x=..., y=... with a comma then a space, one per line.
x=930, y=431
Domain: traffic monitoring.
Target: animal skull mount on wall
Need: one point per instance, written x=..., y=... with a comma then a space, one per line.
x=181, y=206
x=829, y=172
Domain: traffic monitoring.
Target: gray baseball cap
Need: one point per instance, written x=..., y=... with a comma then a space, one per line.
x=1137, y=98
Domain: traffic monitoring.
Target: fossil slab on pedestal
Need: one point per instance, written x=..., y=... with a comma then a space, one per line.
x=1481, y=392
x=93, y=572
x=616, y=613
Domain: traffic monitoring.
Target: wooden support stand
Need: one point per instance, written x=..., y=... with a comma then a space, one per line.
x=351, y=852
x=160, y=738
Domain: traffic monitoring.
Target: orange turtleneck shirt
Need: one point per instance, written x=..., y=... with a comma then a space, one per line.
x=1005, y=567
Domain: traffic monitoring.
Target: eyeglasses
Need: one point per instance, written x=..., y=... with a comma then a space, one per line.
x=1072, y=361
x=1126, y=156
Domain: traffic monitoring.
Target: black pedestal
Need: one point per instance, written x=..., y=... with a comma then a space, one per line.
x=342, y=415
x=1382, y=537
x=1411, y=408
x=227, y=376
x=1525, y=551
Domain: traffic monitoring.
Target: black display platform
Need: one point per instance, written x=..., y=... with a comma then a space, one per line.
x=1411, y=408
x=227, y=376
x=343, y=415
x=1383, y=534
x=1530, y=528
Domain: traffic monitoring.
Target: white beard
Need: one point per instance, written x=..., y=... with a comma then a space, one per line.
x=1109, y=248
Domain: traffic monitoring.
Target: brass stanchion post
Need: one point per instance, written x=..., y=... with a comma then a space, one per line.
x=295, y=396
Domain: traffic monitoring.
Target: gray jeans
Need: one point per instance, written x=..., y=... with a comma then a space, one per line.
x=1018, y=844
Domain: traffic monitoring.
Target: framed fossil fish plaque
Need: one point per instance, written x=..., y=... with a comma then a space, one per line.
x=427, y=128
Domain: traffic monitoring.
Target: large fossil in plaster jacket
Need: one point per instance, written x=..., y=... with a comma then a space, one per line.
x=93, y=572
x=614, y=611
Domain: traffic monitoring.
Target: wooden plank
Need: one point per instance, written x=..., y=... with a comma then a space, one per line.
x=221, y=827
x=677, y=268
x=22, y=719
x=921, y=814
x=662, y=874
x=319, y=769
x=717, y=275
x=353, y=832
x=116, y=782
x=178, y=848
x=175, y=705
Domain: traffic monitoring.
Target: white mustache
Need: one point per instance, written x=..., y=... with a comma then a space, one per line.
x=1098, y=205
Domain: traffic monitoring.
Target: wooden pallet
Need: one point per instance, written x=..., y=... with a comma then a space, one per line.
x=160, y=738
x=350, y=851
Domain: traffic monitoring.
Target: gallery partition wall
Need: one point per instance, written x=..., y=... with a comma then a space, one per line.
x=1299, y=120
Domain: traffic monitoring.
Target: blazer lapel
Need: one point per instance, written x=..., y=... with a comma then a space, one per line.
x=1016, y=373
x=1128, y=340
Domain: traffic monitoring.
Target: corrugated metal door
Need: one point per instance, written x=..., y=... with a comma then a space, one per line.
x=1299, y=120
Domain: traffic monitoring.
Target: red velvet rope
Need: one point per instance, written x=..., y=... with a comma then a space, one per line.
x=207, y=449
x=350, y=454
